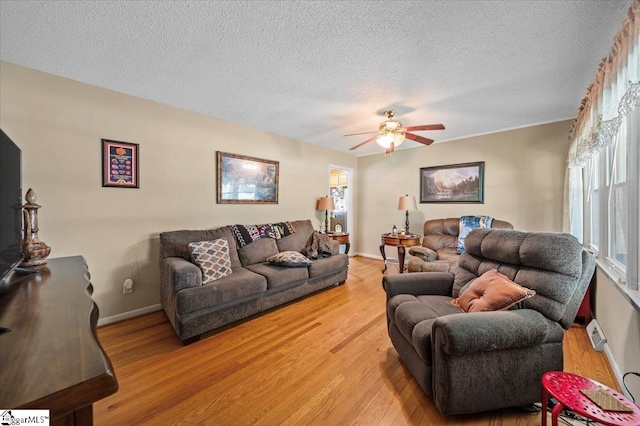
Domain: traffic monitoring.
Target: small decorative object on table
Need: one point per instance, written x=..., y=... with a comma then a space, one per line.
x=35, y=252
x=394, y=231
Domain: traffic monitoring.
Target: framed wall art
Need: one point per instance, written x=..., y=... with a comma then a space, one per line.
x=120, y=164
x=246, y=180
x=454, y=183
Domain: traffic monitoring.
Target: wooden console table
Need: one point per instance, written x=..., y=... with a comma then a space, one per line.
x=342, y=238
x=400, y=241
x=52, y=359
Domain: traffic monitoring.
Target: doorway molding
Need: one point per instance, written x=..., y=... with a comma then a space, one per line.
x=350, y=202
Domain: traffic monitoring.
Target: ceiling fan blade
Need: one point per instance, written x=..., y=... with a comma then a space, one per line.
x=419, y=139
x=426, y=127
x=362, y=143
x=361, y=133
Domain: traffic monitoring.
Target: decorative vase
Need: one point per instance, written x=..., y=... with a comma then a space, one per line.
x=34, y=251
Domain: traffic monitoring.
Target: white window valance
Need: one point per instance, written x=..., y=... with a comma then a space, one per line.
x=613, y=95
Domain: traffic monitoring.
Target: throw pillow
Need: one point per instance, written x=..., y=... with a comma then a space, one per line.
x=290, y=258
x=492, y=291
x=212, y=257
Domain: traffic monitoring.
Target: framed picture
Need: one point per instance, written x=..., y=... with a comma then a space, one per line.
x=246, y=180
x=120, y=164
x=455, y=183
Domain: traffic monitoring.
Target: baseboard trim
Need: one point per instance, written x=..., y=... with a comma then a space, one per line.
x=128, y=315
x=615, y=368
x=369, y=256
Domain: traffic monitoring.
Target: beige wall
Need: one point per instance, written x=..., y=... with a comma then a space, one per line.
x=524, y=176
x=58, y=124
x=620, y=322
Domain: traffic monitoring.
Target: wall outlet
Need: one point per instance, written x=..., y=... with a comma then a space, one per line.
x=127, y=286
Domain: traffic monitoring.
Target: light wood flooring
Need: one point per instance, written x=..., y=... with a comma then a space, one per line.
x=323, y=360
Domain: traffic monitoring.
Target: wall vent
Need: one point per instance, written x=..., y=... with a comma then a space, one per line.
x=596, y=336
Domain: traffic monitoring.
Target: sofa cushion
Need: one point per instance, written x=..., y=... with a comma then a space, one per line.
x=290, y=258
x=176, y=243
x=212, y=257
x=258, y=251
x=492, y=291
x=414, y=316
x=298, y=240
x=280, y=276
x=328, y=265
x=448, y=254
x=241, y=284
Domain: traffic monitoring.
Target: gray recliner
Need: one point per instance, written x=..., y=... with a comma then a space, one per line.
x=473, y=362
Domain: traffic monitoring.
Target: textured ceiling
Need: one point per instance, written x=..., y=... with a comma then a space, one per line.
x=313, y=71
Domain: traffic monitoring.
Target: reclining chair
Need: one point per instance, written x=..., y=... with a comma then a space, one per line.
x=470, y=362
x=439, y=249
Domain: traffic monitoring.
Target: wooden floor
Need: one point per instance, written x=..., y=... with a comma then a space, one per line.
x=323, y=360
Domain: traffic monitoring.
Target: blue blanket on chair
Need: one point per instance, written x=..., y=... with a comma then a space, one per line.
x=468, y=224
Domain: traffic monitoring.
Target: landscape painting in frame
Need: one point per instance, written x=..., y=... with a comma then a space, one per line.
x=455, y=183
x=246, y=180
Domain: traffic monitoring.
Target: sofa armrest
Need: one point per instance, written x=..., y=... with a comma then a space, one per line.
x=181, y=273
x=423, y=253
x=335, y=247
x=417, y=283
x=467, y=333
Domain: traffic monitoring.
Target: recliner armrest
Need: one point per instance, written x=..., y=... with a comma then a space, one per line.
x=181, y=273
x=491, y=331
x=418, y=283
x=423, y=253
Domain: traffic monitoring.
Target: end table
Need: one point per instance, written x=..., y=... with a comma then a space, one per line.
x=342, y=238
x=400, y=241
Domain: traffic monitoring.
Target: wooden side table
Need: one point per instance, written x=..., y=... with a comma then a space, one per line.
x=342, y=238
x=400, y=241
x=566, y=387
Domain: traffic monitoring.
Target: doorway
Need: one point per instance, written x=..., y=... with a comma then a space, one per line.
x=341, y=190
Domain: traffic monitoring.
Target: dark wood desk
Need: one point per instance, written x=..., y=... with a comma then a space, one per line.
x=52, y=358
x=400, y=241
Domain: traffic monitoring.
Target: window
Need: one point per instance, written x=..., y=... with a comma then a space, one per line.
x=613, y=203
x=594, y=201
x=618, y=203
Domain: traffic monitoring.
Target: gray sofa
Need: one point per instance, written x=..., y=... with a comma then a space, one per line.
x=477, y=361
x=253, y=286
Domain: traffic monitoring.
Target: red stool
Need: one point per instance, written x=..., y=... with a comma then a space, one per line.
x=565, y=388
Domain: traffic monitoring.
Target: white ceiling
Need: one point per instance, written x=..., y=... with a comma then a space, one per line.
x=313, y=71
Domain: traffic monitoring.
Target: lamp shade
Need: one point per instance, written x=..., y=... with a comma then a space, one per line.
x=406, y=202
x=325, y=203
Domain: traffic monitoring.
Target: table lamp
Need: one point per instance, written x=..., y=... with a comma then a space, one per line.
x=407, y=203
x=326, y=204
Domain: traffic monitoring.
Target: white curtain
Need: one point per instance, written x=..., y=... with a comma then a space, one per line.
x=609, y=99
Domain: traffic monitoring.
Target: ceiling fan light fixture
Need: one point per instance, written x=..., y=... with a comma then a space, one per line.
x=398, y=138
x=391, y=125
x=391, y=133
x=385, y=139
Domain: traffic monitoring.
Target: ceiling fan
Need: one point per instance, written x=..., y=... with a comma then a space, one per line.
x=391, y=133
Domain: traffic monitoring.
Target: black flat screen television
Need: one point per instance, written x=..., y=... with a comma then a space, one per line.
x=10, y=207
